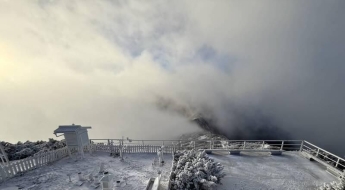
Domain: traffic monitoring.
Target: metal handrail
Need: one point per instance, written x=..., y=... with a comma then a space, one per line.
x=323, y=150
x=322, y=155
x=327, y=158
x=202, y=140
x=288, y=145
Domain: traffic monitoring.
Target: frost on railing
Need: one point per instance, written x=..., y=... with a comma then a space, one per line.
x=20, y=166
x=152, y=146
x=234, y=145
x=287, y=145
x=323, y=156
x=131, y=148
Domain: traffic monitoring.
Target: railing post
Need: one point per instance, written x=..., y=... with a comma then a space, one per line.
x=263, y=144
x=336, y=165
x=69, y=152
x=244, y=145
x=281, y=148
x=301, y=148
x=317, y=153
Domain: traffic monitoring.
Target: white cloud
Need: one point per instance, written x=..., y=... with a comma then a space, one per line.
x=103, y=64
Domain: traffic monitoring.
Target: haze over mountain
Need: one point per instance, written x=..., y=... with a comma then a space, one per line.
x=254, y=69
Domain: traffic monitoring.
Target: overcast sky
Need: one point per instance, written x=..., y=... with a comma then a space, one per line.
x=104, y=63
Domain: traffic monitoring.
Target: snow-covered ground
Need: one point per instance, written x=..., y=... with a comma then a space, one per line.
x=245, y=171
x=133, y=173
x=263, y=171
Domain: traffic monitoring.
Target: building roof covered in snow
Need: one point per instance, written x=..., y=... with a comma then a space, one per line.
x=69, y=128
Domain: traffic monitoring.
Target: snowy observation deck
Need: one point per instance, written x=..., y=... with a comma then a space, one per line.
x=250, y=169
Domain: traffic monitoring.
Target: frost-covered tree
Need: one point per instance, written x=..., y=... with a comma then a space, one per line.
x=335, y=185
x=195, y=170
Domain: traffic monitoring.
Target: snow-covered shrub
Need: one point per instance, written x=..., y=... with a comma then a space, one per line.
x=23, y=150
x=26, y=152
x=195, y=170
x=335, y=185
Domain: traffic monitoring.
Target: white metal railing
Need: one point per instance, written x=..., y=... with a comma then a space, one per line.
x=152, y=146
x=323, y=156
x=135, y=146
x=286, y=145
x=30, y=163
x=140, y=146
x=131, y=148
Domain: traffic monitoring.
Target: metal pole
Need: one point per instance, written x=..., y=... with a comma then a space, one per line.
x=281, y=148
x=301, y=148
x=263, y=144
x=121, y=150
x=336, y=165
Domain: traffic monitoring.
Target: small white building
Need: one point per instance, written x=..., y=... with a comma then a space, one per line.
x=75, y=136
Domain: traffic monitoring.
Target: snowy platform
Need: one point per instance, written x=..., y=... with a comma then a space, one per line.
x=263, y=171
x=250, y=170
x=134, y=172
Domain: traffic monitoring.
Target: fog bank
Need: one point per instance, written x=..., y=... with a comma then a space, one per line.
x=273, y=69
